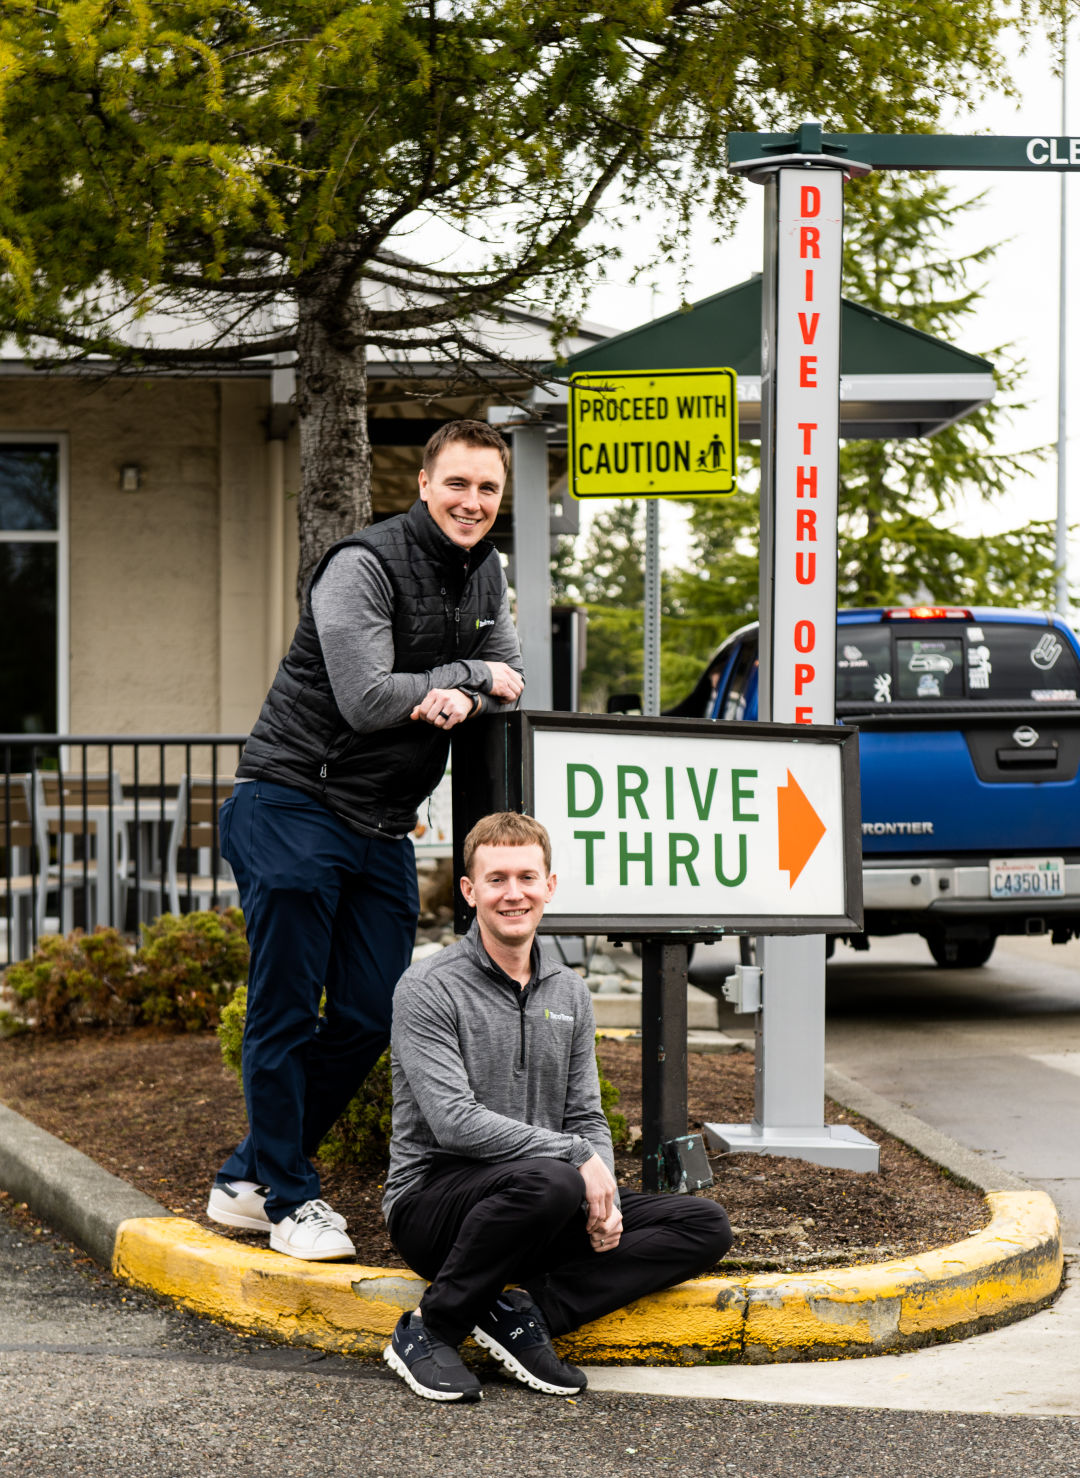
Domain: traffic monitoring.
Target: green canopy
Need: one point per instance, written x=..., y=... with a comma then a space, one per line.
x=894, y=380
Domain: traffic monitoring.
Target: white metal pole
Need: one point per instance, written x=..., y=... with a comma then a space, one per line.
x=651, y=696
x=532, y=560
x=1061, y=540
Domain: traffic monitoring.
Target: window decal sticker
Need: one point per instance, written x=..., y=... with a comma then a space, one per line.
x=929, y=685
x=883, y=687
x=930, y=662
x=1046, y=652
x=979, y=667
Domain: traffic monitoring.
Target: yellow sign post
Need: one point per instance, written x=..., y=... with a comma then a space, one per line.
x=653, y=433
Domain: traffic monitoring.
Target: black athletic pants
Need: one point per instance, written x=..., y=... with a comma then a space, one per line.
x=473, y=1228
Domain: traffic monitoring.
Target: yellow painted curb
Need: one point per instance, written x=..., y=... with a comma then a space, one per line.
x=1002, y=1273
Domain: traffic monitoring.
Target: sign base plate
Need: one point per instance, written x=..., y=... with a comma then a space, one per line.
x=832, y=1144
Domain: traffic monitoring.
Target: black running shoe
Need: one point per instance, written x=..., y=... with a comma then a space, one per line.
x=427, y=1364
x=515, y=1333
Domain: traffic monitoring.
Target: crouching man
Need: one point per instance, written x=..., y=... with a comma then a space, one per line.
x=501, y=1166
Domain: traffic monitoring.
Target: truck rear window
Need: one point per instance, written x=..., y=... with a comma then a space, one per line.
x=924, y=662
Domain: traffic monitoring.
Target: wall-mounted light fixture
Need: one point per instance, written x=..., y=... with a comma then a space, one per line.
x=130, y=477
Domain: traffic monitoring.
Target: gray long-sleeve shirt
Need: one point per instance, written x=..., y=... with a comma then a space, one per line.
x=481, y=1072
x=353, y=606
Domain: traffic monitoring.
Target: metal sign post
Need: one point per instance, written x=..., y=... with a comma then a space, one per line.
x=651, y=684
x=645, y=434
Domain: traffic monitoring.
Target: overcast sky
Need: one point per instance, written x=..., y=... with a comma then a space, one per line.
x=1020, y=305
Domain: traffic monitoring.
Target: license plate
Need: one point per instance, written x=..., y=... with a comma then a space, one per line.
x=1027, y=877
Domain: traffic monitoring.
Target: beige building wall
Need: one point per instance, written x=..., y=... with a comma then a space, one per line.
x=169, y=586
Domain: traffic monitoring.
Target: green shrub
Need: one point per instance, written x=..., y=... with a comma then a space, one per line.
x=361, y=1137
x=183, y=972
x=609, y=1098
x=189, y=965
x=72, y=981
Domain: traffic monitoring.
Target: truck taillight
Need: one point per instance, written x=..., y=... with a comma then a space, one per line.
x=927, y=613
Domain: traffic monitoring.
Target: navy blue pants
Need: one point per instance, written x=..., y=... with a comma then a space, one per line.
x=326, y=910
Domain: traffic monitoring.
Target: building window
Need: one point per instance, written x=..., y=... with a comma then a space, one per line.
x=33, y=585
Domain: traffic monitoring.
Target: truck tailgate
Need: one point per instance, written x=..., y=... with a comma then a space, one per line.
x=951, y=783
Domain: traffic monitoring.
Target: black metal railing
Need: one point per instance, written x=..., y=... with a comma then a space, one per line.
x=109, y=828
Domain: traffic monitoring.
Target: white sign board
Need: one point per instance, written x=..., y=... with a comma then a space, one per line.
x=807, y=356
x=694, y=828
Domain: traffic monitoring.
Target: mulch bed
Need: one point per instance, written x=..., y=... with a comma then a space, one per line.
x=162, y=1112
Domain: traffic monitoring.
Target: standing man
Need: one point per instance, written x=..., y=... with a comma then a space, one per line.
x=501, y=1166
x=406, y=633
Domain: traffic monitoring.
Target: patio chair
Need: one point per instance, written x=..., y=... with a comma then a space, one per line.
x=86, y=819
x=24, y=862
x=197, y=876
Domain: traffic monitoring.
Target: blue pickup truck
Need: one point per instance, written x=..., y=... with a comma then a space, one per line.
x=969, y=743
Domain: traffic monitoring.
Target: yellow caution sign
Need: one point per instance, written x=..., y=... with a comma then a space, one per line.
x=653, y=434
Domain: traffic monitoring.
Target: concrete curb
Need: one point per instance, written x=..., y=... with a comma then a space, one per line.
x=1002, y=1273
x=66, y=1188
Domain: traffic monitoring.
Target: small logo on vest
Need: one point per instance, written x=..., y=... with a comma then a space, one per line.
x=558, y=1016
x=482, y=621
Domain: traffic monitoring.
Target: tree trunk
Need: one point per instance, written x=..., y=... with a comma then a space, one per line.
x=331, y=398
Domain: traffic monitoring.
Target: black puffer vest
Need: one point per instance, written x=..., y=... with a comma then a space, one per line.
x=441, y=595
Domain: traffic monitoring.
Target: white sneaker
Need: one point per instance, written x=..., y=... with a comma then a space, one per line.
x=309, y=1233
x=242, y=1203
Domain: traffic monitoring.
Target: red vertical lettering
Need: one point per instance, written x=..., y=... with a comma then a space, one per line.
x=809, y=326
x=808, y=372
x=810, y=200
x=809, y=242
x=806, y=427
x=804, y=673
x=806, y=482
x=806, y=525
x=809, y=293
x=804, y=715
x=805, y=568
x=805, y=636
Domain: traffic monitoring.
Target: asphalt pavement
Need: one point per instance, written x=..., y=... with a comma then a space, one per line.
x=96, y=1379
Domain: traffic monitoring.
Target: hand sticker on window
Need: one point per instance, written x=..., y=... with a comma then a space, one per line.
x=1046, y=652
x=883, y=687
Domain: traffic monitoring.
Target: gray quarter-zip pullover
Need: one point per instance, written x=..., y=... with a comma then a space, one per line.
x=485, y=1071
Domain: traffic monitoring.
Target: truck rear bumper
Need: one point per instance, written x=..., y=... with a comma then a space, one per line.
x=943, y=888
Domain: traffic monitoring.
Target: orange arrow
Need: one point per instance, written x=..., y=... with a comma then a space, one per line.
x=799, y=826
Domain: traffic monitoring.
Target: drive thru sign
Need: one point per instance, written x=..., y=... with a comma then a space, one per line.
x=680, y=825
x=653, y=433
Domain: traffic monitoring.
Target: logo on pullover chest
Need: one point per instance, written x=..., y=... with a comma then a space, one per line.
x=482, y=621
x=558, y=1016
